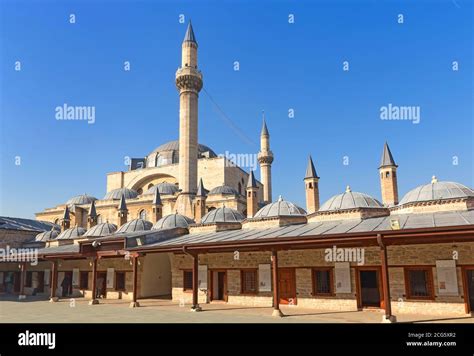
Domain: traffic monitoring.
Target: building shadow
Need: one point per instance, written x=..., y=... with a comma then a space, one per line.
x=320, y=313
x=231, y=308
x=436, y=320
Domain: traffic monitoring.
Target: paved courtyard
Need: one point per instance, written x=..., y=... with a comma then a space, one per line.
x=35, y=310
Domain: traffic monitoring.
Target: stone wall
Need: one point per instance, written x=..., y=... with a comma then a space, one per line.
x=304, y=260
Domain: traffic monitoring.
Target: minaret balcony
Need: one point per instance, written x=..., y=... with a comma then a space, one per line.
x=188, y=78
x=189, y=71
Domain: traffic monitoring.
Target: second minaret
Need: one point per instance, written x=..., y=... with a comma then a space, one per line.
x=189, y=84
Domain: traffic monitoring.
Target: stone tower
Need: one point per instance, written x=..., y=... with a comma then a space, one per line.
x=92, y=216
x=122, y=211
x=200, y=203
x=252, y=199
x=388, y=178
x=189, y=83
x=265, y=158
x=66, y=220
x=311, y=181
x=156, y=207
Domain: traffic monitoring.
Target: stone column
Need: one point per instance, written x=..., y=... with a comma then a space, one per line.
x=134, y=303
x=54, y=281
x=276, y=287
x=94, y=299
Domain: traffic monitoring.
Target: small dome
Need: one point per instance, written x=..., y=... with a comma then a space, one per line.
x=81, y=199
x=436, y=191
x=280, y=208
x=224, y=190
x=168, y=153
x=72, y=233
x=116, y=194
x=103, y=229
x=222, y=215
x=164, y=189
x=350, y=200
x=135, y=225
x=46, y=236
x=173, y=220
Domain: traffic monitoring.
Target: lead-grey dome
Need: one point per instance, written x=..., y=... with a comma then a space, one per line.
x=135, y=225
x=81, y=199
x=72, y=233
x=224, y=190
x=116, y=194
x=164, y=188
x=103, y=229
x=437, y=191
x=280, y=208
x=350, y=200
x=171, y=221
x=223, y=214
x=46, y=236
x=168, y=153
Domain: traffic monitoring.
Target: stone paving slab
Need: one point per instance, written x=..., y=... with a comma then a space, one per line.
x=39, y=310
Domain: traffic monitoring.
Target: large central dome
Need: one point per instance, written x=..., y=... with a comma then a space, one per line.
x=168, y=153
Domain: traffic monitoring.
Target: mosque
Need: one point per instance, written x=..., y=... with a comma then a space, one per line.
x=185, y=223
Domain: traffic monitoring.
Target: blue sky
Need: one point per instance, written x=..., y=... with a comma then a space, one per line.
x=283, y=66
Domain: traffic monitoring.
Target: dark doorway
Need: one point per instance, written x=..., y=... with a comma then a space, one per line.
x=287, y=286
x=101, y=285
x=369, y=289
x=16, y=282
x=219, y=285
x=470, y=288
x=66, y=284
x=40, y=288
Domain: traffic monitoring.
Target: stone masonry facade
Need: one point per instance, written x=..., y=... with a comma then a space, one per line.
x=303, y=261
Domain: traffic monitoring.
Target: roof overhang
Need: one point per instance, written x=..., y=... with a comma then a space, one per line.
x=390, y=237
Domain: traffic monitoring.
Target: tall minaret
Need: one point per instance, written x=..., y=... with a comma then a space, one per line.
x=265, y=158
x=189, y=83
x=388, y=178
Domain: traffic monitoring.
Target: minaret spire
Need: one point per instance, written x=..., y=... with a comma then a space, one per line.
x=311, y=181
x=189, y=84
x=265, y=158
x=189, y=36
x=122, y=210
x=66, y=221
x=252, y=199
x=388, y=177
x=92, y=216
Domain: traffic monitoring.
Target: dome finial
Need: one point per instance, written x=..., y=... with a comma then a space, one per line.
x=434, y=180
x=348, y=189
x=280, y=198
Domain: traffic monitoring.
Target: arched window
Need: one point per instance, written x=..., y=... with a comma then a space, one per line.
x=142, y=214
x=387, y=174
x=240, y=188
x=99, y=219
